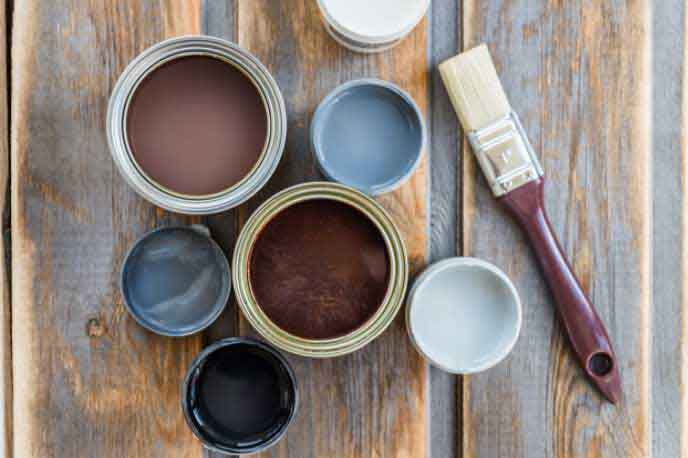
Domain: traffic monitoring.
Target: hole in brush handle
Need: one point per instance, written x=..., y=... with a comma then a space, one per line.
x=600, y=364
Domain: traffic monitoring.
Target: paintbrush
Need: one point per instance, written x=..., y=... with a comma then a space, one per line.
x=516, y=179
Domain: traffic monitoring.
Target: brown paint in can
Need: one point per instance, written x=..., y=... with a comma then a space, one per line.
x=196, y=125
x=319, y=269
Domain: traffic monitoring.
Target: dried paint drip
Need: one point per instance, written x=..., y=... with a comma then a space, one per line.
x=319, y=269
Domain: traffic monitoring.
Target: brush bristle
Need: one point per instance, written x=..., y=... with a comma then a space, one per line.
x=474, y=88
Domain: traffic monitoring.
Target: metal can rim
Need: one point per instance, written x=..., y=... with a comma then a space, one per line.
x=331, y=99
x=203, y=355
x=211, y=318
x=179, y=47
x=475, y=263
x=371, y=329
x=385, y=41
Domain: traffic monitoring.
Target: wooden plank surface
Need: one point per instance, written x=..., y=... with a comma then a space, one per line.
x=670, y=229
x=370, y=403
x=444, y=23
x=5, y=307
x=88, y=380
x=578, y=74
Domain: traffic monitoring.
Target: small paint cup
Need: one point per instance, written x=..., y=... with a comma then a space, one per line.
x=170, y=139
x=371, y=26
x=325, y=297
x=239, y=396
x=368, y=134
x=463, y=315
x=175, y=281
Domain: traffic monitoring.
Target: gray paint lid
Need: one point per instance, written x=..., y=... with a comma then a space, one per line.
x=175, y=281
x=368, y=134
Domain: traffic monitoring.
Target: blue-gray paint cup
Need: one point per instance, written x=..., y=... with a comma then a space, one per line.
x=175, y=281
x=368, y=134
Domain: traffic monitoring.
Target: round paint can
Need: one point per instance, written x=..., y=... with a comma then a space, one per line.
x=371, y=26
x=196, y=125
x=464, y=315
x=320, y=270
x=175, y=281
x=368, y=134
x=239, y=396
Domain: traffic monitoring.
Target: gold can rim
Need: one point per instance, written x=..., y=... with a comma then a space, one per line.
x=364, y=334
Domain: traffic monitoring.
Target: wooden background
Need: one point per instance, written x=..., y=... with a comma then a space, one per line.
x=599, y=87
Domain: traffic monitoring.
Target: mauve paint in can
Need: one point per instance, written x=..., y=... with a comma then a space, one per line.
x=196, y=125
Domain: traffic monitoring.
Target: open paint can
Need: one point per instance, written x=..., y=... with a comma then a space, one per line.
x=320, y=270
x=371, y=26
x=463, y=315
x=239, y=396
x=175, y=281
x=368, y=134
x=196, y=125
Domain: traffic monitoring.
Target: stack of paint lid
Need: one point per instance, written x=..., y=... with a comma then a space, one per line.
x=371, y=26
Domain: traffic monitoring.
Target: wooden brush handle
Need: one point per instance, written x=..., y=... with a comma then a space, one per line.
x=582, y=325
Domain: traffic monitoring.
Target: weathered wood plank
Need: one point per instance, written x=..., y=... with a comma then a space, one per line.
x=578, y=74
x=445, y=222
x=371, y=403
x=5, y=306
x=218, y=21
x=88, y=380
x=670, y=229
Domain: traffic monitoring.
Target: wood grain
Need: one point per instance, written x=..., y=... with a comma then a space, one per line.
x=670, y=229
x=218, y=21
x=444, y=24
x=578, y=74
x=5, y=306
x=370, y=403
x=88, y=380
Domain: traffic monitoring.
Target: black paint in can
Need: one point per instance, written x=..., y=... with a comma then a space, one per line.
x=239, y=396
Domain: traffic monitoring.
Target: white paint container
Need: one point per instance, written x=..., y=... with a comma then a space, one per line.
x=464, y=315
x=369, y=26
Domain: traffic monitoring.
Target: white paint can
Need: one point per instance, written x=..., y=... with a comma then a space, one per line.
x=371, y=25
x=464, y=315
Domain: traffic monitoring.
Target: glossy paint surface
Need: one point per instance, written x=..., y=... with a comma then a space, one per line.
x=368, y=134
x=175, y=281
x=464, y=315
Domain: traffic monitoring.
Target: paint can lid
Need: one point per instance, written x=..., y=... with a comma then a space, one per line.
x=374, y=21
x=464, y=315
x=368, y=134
x=175, y=281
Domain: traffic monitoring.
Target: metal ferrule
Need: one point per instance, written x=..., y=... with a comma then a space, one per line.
x=505, y=155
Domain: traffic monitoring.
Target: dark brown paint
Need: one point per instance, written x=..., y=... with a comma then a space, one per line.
x=196, y=125
x=319, y=269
